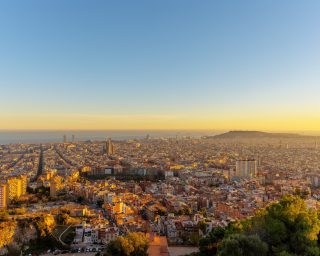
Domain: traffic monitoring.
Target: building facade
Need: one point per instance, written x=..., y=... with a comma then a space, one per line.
x=246, y=168
x=3, y=196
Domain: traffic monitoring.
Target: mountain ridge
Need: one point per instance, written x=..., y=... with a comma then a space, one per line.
x=256, y=134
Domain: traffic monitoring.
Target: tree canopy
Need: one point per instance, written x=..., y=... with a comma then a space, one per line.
x=285, y=228
x=6, y=233
x=45, y=225
x=240, y=245
x=133, y=244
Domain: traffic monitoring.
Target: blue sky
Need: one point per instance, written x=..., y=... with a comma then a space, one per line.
x=181, y=60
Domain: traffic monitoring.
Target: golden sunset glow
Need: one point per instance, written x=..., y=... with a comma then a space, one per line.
x=166, y=122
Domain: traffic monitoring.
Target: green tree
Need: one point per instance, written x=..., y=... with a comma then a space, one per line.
x=203, y=226
x=133, y=244
x=209, y=244
x=17, y=211
x=100, y=203
x=4, y=215
x=289, y=226
x=285, y=253
x=242, y=245
x=7, y=230
x=45, y=225
x=63, y=218
x=80, y=199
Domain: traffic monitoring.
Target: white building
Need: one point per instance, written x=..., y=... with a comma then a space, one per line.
x=246, y=168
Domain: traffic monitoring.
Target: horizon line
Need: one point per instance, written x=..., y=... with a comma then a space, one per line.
x=175, y=129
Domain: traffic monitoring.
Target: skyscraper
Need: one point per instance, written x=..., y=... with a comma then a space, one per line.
x=246, y=168
x=24, y=184
x=53, y=188
x=15, y=187
x=109, y=147
x=3, y=195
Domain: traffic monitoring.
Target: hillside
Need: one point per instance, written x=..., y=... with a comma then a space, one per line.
x=255, y=135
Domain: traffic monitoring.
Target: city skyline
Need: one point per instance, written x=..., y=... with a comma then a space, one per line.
x=171, y=65
x=172, y=127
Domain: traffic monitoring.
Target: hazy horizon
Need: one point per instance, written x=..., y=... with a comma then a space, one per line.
x=50, y=136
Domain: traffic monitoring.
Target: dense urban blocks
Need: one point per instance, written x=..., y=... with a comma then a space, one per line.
x=214, y=195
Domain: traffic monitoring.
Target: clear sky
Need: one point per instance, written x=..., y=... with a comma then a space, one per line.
x=169, y=64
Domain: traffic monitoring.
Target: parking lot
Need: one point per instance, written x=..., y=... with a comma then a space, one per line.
x=73, y=254
x=75, y=251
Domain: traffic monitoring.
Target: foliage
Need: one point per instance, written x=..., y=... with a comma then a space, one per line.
x=6, y=233
x=287, y=228
x=45, y=225
x=63, y=218
x=209, y=244
x=17, y=211
x=100, y=203
x=42, y=191
x=202, y=226
x=4, y=215
x=185, y=211
x=80, y=199
x=133, y=244
x=242, y=245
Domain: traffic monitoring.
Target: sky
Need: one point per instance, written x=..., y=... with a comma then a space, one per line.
x=169, y=64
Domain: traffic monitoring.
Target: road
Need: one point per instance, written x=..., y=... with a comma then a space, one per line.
x=62, y=235
x=40, y=167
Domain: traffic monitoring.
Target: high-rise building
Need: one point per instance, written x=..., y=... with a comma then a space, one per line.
x=314, y=179
x=246, y=168
x=64, y=138
x=109, y=147
x=56, y=185
x=24, y=184
x=3, y=196
x=73, y=138
x=14, y=188
x=53, y=188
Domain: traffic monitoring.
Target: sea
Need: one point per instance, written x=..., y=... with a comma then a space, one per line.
x=43, y=136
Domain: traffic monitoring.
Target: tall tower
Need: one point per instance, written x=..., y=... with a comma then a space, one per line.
x=109, y=147
x=3, y=196
x=246, y=168
x=15, y=187
x=53, y=188
x=24, y=184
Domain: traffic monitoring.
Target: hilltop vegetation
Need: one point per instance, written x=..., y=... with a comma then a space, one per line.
x=256, y=135
x=7, y=231
x=133, y=244
x=287, y=228
x=33, y=233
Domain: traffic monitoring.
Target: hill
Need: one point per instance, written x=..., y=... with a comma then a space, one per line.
x=256, y=135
